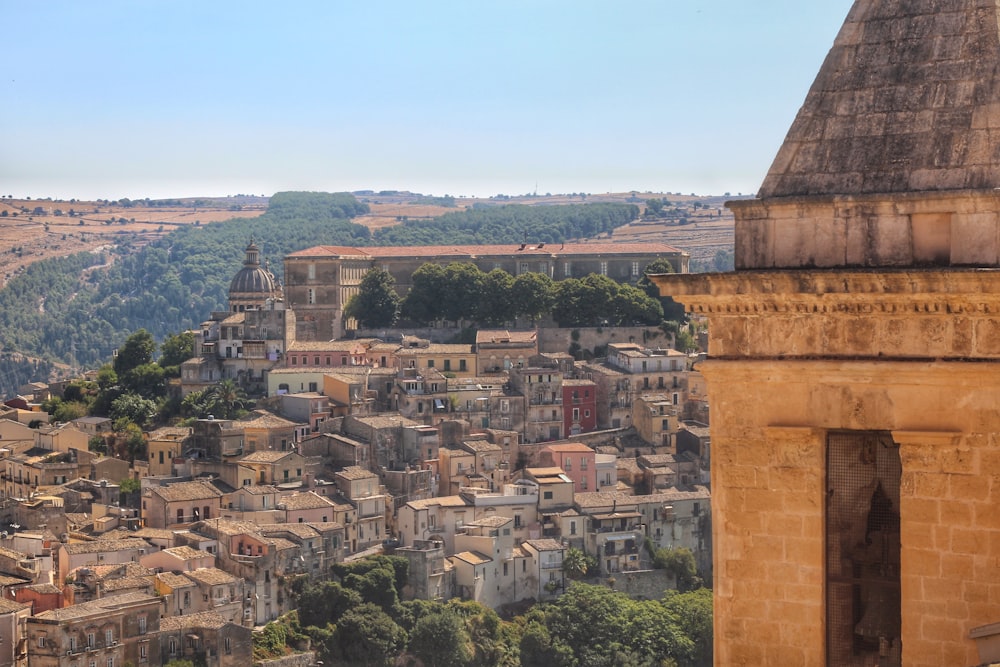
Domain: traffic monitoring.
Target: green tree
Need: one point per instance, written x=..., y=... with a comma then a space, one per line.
x=325, y=602
x=463, y=291
x=131, y=409
x=227, y=400
x=367, y=636
x=441, y=640
x=539, y=649
x=633, y=306
x=423, y=303
x=577, y=565
x=147, y=380
x=376, y=304
x=692, y=611
x=497, y=304
x=679, y=562
x=137, y=350
x=174, y=351
x=535, y=295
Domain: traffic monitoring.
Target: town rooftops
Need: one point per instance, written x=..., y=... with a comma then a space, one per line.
x=181, y=491
x=574, y=447
x=104, y=546
x=490, y=521
x=202, y=619
x=97, y=608
x=545, y=544
x=264, y=419
x=506, y=337
x=480, y=446
x=175, y=581
x=355, y=473
x=211, y=576
x=306, y=500
x=185, y=553
x=473, y=558
x=264, y=456
x=439, y=501
x=11, y=606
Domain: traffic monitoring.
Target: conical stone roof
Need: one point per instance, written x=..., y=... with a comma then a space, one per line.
x=908, y=100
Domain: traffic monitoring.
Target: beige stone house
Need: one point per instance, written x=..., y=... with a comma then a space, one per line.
x=99, y=552
x=13, y=616
x=206, y=638
x=275, y=467
x=498, y=350
x=109, y=631
x=180, y=503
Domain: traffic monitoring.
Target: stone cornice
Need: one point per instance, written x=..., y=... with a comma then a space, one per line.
x=918, y=291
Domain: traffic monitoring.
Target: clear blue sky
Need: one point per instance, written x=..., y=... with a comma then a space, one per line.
x=136, y=98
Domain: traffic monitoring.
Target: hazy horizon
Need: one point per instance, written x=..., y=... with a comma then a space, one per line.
x=116, y=99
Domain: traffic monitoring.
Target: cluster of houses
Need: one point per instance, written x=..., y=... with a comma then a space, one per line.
x=481, y=464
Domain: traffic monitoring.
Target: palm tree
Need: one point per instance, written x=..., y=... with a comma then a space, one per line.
x=226, y=399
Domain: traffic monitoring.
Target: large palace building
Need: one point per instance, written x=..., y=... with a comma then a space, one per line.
x=320, y=280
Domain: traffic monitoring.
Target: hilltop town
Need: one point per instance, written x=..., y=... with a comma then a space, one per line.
x=492, y=467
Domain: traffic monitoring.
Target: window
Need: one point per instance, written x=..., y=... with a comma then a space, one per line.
x=187, y=598
x=461, y=365
x=604, y=268
x=576, y=414
x=180, y=515
x=295, y=361
x=572, y=527
x=111, y=661
x=505, y=568
x=143, y=648
x=517, y=520
x=91, y=640
x=72, y=643
x=142, y=625
x=430, y=363
x=173, y=647
x=311, y=296
x=311, y=271
x=41, y=641
x=583, y=463
x=547, y=495
x=635, y=269
x=109, y=636
x=447, y=364
x=568, y=269
x=229, y=645
x=862, y=546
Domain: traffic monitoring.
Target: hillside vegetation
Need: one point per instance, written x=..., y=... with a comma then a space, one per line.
x=76, y=310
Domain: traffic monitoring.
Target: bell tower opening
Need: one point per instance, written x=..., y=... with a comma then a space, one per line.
x=864, y=615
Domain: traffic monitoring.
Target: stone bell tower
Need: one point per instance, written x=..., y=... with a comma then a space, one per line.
x=854, y=358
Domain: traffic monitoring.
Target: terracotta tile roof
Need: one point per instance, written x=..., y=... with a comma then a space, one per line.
x=262, y=419
x=10, y=606
x=175, y=580
x=194, y=490
x=186, y=553
x=203, y=619
x=575, y=447
x=306, y=500
x=545, y=544
x=99, y=608
x=439, y=501
x=473, y=558
x=355, y=473
x=211, y=576
x=264, y=456
x=99, y=546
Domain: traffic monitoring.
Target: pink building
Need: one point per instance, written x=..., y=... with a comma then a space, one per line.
x=577, y=460
x=579, y=406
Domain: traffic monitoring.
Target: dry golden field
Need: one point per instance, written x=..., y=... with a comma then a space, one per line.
x=33, y=230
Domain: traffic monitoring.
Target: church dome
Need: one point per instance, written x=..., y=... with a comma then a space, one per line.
x=253, y=281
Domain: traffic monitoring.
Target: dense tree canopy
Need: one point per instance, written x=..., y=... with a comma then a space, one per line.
x=376, y=304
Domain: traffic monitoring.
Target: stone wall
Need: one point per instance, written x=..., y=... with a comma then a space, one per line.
x=306, y=659
x=769, y=490
x=556, y=339
x=642, y=585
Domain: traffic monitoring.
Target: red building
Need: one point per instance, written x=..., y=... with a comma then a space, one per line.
x=579, y=407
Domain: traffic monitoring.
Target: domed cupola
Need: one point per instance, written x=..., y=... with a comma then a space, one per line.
x=253, y=285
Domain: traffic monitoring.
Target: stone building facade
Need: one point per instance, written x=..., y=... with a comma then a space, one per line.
x=853, y=357
x=320, y=280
